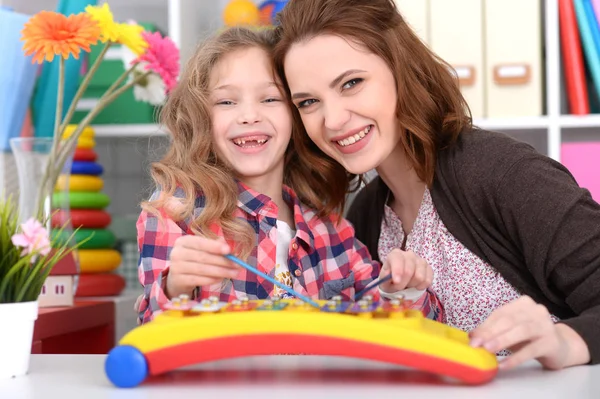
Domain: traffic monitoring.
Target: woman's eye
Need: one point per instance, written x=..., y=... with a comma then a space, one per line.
x=351, y=83
x=270, y=100
x=306, y=103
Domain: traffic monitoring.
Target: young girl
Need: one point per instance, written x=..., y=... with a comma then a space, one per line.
x=222, y=190
x=514, y=242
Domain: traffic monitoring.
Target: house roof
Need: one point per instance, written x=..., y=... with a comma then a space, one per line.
x=65, y=266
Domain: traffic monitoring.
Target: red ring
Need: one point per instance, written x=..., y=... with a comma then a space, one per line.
x=84, y=218
x=85, y=154
x=104, y=284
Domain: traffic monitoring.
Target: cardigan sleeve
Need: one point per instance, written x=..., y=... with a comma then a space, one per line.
x=556, y=224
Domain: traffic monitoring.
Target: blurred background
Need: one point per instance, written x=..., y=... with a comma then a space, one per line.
x=530, y=68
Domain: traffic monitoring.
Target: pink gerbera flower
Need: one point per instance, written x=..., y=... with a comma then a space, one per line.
x=33, y=238
x=161, y=57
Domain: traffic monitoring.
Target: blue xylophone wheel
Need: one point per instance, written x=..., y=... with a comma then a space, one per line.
x=126, y=366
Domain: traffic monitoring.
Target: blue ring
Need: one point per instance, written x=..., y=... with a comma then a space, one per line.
x=126, y=366
x=86, y=168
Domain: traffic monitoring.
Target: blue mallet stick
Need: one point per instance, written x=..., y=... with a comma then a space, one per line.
x=277, y=283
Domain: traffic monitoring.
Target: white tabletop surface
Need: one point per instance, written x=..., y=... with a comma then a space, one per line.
x=290, y=377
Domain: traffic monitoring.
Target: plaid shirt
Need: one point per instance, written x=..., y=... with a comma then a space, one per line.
x=325, y=259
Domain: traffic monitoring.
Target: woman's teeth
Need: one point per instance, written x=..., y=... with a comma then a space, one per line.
x=357, y=137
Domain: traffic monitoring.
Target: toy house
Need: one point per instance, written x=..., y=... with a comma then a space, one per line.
x=58, y=289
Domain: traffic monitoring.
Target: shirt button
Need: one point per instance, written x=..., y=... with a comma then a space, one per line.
x=294, y=246
x=298, y=273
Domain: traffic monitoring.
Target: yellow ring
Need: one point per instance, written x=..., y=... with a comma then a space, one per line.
x=87, y=132
x=80, y=183
x=98, y=260
x=85, y=143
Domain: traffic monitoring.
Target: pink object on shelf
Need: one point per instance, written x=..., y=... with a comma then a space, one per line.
x=583, y=161
x=596, y=7
x=27, y=129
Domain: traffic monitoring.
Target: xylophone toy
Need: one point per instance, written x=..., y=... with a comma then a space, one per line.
x=188, y=332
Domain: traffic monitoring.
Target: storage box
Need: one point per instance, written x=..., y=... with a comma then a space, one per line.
x=125, y=109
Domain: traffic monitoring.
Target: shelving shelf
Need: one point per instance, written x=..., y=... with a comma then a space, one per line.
x=189, y=21
x=499, y=124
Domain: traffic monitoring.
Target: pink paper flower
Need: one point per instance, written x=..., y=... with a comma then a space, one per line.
x=34, y=238
x=161, y=57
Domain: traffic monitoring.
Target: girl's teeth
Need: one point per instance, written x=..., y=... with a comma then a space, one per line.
x=357, y=137
x=251, y=143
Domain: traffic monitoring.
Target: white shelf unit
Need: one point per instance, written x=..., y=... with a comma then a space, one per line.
x=189, y=21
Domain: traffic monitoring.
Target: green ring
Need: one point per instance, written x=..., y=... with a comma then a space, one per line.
x=81, y=200
x=100, y=238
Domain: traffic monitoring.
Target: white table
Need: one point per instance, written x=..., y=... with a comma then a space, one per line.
x=290, y=377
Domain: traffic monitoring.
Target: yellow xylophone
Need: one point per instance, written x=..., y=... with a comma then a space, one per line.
x=189, y=332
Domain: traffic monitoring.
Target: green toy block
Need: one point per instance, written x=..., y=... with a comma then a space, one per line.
x=125, y=109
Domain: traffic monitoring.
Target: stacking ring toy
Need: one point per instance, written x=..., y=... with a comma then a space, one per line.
x=87, y=143
x=96, y=238
x=80, y=183
x=86, y=168
x=98, y=260
x=82, y=218
x=87, y=132
x=85, y=154
x=104, y=284
x=81, y=200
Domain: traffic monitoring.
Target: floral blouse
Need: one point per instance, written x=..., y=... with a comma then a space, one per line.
x=468, y=288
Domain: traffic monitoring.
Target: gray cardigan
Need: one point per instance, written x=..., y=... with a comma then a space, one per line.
x=522, y=213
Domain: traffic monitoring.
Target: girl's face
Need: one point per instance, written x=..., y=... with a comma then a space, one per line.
x=347, y=98
x=252, y=122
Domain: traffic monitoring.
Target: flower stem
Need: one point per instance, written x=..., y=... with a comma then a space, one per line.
x=105, y=100
x=82, y=87
x=46, y=183
x=118, y=82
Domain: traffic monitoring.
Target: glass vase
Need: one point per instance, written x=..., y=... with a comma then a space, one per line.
x=32, y=155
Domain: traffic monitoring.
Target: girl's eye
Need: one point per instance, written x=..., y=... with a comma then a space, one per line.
x=225, y=102
x=351, y=83
x=270, y=100
x=306, y=103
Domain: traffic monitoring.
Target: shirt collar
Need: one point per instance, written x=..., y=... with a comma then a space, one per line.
x=257, y=204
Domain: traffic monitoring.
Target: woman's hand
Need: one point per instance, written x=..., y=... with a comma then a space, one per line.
x=527, y=330
x=408, y=271
x=198, y=261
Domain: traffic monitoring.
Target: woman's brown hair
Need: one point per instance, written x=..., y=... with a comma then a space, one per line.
x=191, y=163
x=430, y=108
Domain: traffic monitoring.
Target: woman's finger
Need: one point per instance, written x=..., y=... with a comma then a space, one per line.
x=420, y=275
x=519, y=334
x=533, y=350
x=492, y=328
x=407, y=273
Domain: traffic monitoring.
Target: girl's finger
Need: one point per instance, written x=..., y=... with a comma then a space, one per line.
x=200, y=258
x=218, y=247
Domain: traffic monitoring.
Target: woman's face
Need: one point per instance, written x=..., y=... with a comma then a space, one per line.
x=347, y=98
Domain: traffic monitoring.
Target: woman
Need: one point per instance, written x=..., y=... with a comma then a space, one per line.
x=513, y=241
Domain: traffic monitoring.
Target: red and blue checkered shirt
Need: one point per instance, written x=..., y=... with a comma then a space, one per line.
x=325, y=259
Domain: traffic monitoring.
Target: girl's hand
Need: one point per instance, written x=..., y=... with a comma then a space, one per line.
x=527, y=330
x=197, y=261
x=136, y=307
x=408, y=271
